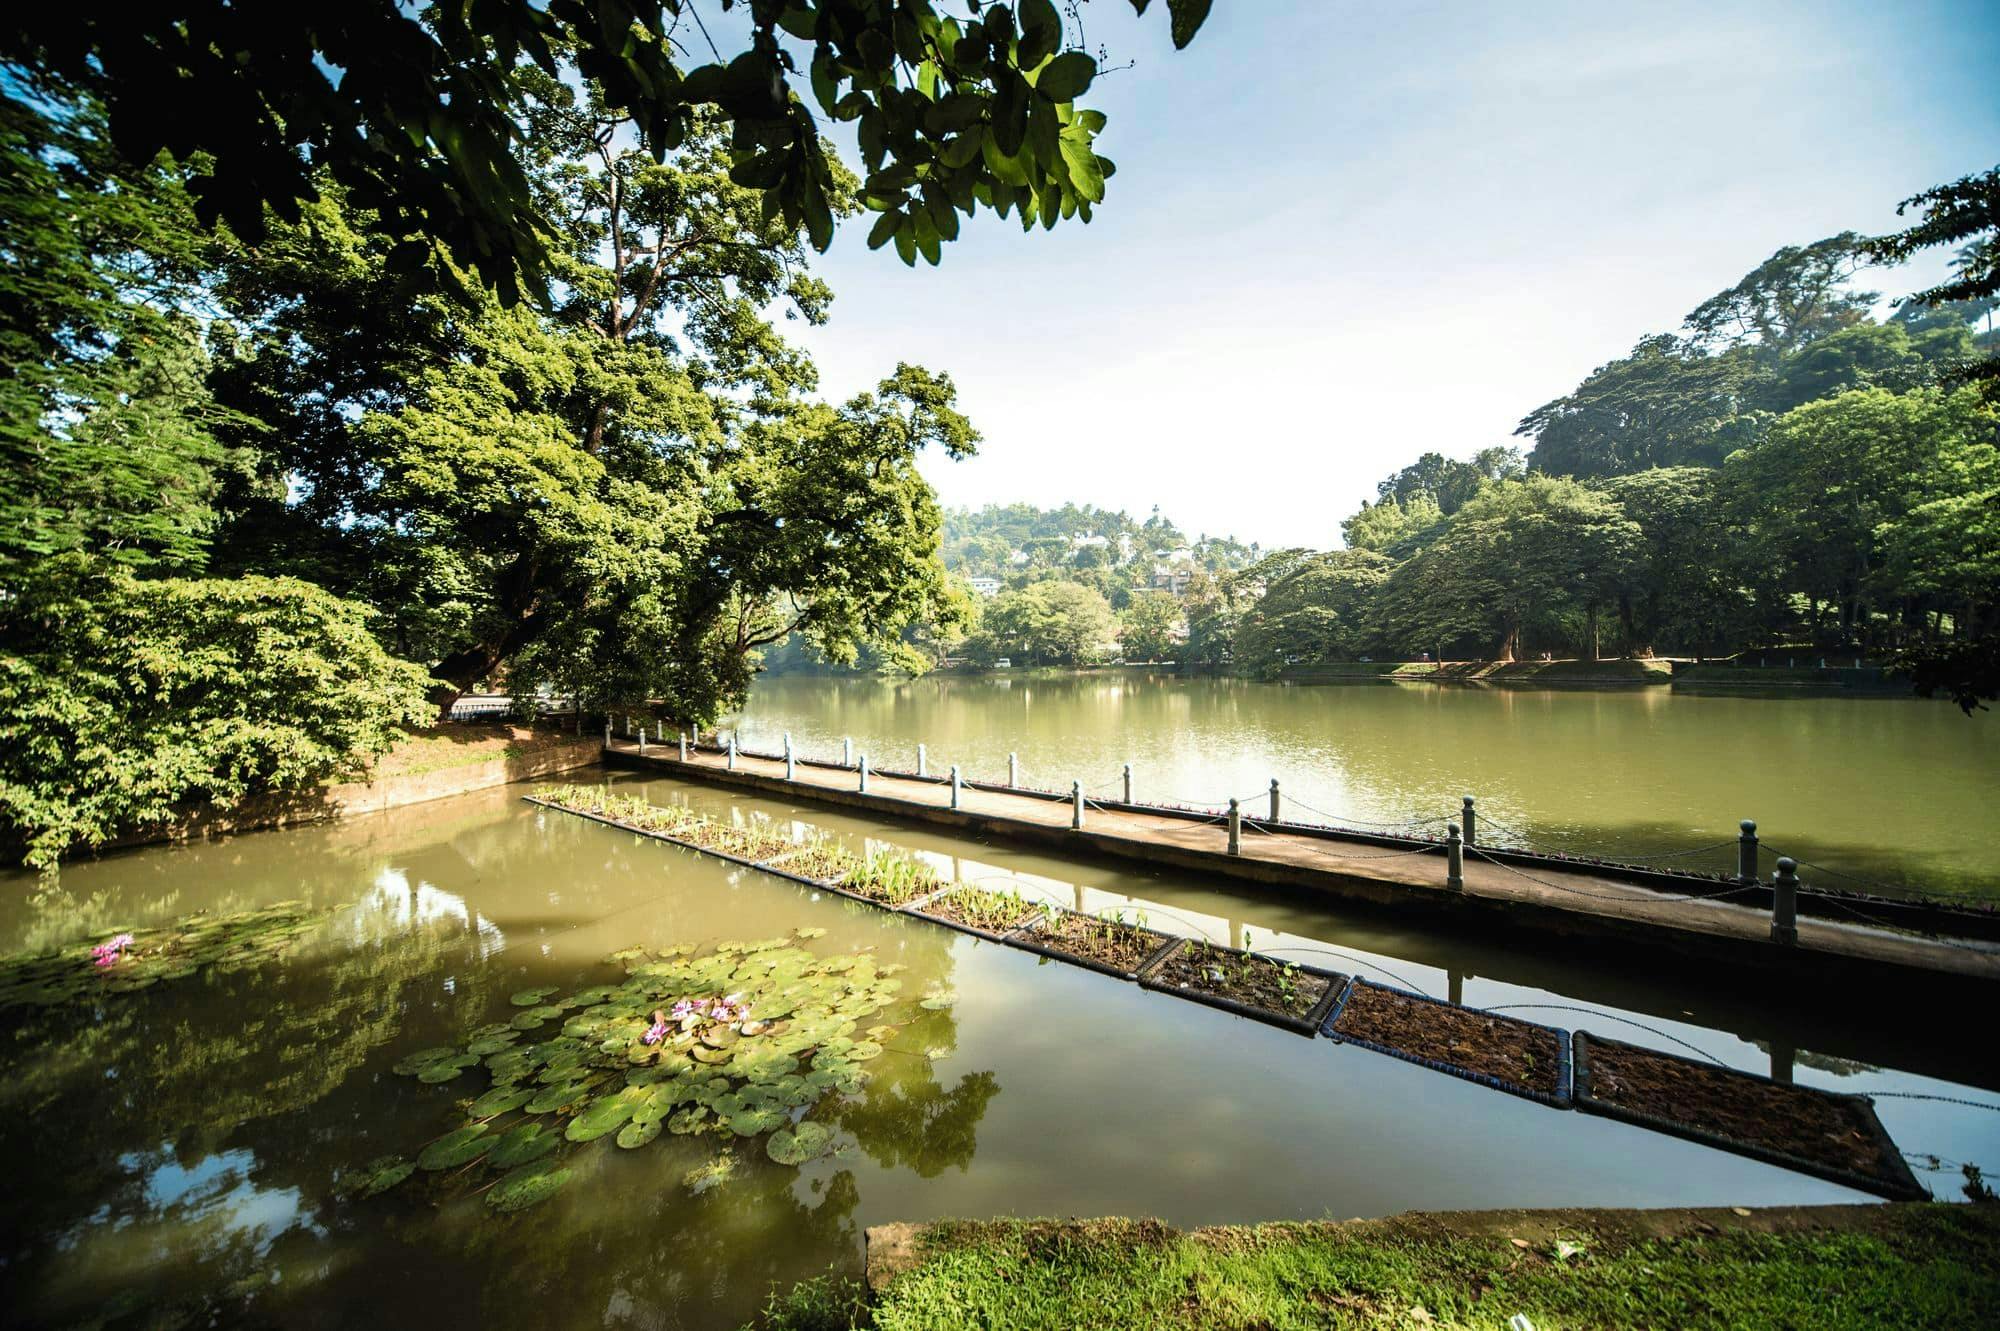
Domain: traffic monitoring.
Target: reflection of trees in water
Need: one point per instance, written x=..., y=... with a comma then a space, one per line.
x=255, y=1081
x=100, y=1101
x=903, y=1116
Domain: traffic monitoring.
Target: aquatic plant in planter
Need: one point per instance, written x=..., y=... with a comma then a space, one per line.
x=120, y=961
x=820, y=858
x=1266, y=988
x=979, y=911
x=1101, y=942
x=892, y=878
x=741, y=1041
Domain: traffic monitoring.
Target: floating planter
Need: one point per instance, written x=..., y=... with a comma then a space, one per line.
x=742, y=1041
x=1249, y=984
x=122, y=961
x=974, y=910
x=1505, y=1053
x=890, y=878
x=1827, y=1135
x=1107, y=945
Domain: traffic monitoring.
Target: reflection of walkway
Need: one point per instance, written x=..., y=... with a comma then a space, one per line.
x=1559, y=900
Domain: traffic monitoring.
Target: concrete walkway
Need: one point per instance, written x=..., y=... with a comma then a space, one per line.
x=1561, y=900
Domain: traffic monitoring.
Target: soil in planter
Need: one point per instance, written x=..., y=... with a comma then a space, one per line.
x=976, y=908
x=1122, y=947
x=1499, y=1047
x=1829, y=1130
x=1253, y=981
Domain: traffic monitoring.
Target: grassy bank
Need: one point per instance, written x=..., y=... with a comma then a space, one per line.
x=441, y=748
x=1817, y=1267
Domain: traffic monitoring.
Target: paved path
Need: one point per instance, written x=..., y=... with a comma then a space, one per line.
x=1592, y=903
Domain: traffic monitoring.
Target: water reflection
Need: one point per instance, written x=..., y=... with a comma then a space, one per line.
x=172, y=1152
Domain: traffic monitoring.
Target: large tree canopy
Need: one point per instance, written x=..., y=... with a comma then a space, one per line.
x=418, y=113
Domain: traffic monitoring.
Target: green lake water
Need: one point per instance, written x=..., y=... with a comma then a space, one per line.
x=171, y=1154
x=1876, y=794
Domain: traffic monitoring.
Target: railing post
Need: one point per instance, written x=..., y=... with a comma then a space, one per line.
x=1274, y=799
x=847, y=753
x=863, y=768
x=1785, y=902
x=1454, y=860
x=1468, y=822
x=1076, y=806
x=1013, y=771
x=607, y=732
x=954, y=785
x=1235, y=828
x=1128, y=783
x=642, y=739
x=684, y=746
x=732, y=750
x=1746, y=852
x=790, y=762
x=923, y=761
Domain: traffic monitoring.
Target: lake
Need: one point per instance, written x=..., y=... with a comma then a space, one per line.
x=173, y=1153
x=1875, y=794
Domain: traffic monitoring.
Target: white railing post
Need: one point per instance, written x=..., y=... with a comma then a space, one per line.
x=846, y=752
x=863, y=787
x=954, y=785
x=923, y=761
x=1013, y=771
x=1076, y=806
x=1235, y=828
x=684, y=746
x=732, y=751
x=1274, y=799
x=1128, y=783
x=791, y=771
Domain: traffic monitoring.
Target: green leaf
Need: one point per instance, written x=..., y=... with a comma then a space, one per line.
x=1067, y=77
x=520, y=1144
x=1188, y=16
x=456, y=1148
x=530, y=1185
x=795, y=1146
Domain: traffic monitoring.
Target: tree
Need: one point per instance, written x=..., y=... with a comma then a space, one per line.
x=418, y=113
x=1447, y=482
x=625, y=497
x=1668, y=404
x=1521, y=554
x=107, y=430
x=1966, y=213
x=1051, y=623
x=1392, y=527
x=1818, y=490
x=1324, y=610
x=1798, y=294
x=1685, y=585
x=1867, y=355
x=122, y=700
x=1149, y=625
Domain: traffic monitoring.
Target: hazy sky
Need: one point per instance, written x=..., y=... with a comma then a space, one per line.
x=1343, y=234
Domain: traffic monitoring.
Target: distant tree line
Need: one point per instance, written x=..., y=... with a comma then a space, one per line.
x=1784, y=469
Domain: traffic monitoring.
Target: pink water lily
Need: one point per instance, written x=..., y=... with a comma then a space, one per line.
x=657, y=1031
x=110, y=950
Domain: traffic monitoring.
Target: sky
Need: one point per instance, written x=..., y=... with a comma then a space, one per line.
x=1342, y=235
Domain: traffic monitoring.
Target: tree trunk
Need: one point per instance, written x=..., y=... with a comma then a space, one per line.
x=1625, y=624
x=1593, y=631
x=1510, y=638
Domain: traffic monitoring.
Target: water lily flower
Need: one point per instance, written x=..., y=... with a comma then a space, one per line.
x=657, y=1031
x=110, y=950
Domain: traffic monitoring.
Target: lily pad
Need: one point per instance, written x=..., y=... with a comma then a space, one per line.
x=499, y=1100
x=530, y=1185
x=533, y=997
x=522, y=1143
x=636, y=1134
x=456, y=1148
x=377, y=1176
x=603, y=1115
x=795, y=1146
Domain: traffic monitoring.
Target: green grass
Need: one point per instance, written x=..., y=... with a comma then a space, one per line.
x=1908, y=1266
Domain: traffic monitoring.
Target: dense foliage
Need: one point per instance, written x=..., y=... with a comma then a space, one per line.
x=1787, y=470
x=122, y=699
x=423, y=114
x=262, y=493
